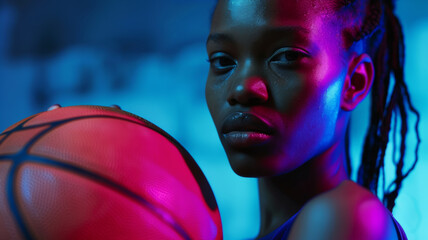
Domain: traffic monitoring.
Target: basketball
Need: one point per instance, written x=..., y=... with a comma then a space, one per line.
x=90, y=172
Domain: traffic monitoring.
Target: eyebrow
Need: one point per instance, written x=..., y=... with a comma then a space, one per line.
x=289, y=30
x=219, y=37
x=283, y=30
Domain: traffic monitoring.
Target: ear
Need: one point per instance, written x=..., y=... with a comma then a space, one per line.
x=358, y=81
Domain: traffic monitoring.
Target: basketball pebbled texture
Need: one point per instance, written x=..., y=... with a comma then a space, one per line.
x=90, y=172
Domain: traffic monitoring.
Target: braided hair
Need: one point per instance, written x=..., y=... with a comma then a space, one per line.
x=381, y=34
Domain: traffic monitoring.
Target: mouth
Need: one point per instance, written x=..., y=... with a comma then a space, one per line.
x=245, y=130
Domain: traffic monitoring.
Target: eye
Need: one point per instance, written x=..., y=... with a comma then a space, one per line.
x=288, y=56
x=221, y=62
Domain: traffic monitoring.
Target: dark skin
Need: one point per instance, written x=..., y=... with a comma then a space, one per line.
x=280, y=90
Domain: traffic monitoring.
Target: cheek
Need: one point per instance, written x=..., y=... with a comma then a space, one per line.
x=214, y=96
x=330, y=74
x=309, y=126
x=325, y=93
x=210, y=97
x=330, y=101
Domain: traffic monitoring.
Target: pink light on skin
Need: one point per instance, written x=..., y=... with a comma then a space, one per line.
x=256, y=85
x=373, y=219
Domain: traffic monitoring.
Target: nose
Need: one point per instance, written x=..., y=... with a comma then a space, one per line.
x=251, y=91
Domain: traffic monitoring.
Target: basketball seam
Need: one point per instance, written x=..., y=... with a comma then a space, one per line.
x=17, y=128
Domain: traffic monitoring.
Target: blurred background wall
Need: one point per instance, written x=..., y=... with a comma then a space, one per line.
x=149, y=58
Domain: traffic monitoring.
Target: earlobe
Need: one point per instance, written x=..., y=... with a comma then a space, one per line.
x=358, y=81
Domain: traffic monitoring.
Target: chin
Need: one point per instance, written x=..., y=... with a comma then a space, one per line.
x=247, y=171
x=248, y=165
x=250, y=173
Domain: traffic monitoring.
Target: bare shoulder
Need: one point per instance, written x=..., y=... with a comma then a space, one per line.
x=347, y=212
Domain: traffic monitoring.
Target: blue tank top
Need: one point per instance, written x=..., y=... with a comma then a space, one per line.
x=283, y=231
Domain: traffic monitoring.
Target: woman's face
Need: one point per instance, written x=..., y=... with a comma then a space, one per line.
x=275, y=82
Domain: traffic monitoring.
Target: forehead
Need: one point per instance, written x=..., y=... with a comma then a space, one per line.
x=272, y=12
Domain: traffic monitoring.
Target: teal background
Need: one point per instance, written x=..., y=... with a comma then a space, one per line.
x=149, y=58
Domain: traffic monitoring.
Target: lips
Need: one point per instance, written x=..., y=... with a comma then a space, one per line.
x=243, y=130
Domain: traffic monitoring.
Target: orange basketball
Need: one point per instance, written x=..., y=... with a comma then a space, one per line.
x=88, y=172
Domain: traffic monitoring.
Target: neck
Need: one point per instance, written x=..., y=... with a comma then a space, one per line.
x=283, y=196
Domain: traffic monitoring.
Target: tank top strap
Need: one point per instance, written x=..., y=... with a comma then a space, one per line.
x=283, y=231
x=400, y=232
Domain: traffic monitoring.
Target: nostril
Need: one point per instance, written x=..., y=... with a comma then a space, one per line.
x=232, y=101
